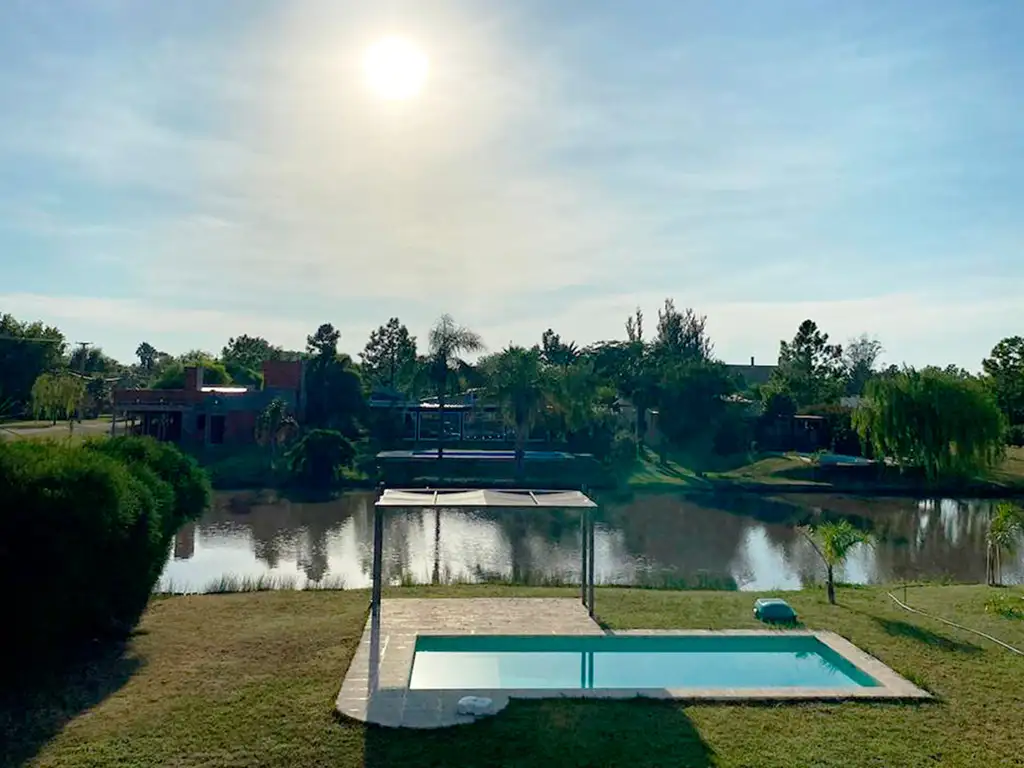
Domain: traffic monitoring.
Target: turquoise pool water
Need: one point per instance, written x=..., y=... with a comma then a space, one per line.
x=631, y=661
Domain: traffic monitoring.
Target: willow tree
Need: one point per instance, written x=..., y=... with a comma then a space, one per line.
x=947, y=425
x=57, y=394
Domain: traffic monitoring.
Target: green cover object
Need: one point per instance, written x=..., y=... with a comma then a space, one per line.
x=772, y=609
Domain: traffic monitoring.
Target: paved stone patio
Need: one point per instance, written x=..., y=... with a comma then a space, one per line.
x=376, y=686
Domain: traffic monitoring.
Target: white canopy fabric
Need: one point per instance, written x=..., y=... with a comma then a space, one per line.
x=453, y=499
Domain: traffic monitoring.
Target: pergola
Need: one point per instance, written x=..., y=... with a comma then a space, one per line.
x=479, y=499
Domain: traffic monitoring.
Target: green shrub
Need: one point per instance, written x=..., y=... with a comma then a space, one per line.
x=1009, y=606
x=1015, y=435
x=190, y=485
x=317, y=459
x=623, y=451
x=84, y=533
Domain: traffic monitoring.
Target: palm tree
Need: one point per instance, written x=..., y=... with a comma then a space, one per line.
x=833, y=542
x=520, y=384
x=274, y=425
x=446, y=342
x=1004, y=531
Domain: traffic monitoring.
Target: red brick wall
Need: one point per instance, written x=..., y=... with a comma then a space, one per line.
x=240, y=427
x=282, y=374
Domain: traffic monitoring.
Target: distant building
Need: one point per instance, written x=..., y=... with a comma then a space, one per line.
x=198, y=414
x=752, y=374
x=470, y=416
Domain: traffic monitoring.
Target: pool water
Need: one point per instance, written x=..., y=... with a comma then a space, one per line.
x=630, y=661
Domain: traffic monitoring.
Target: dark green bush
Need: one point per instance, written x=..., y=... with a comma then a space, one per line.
x=316, y=460
x=84, y=533
x=190, y=484
x=623, y=451
x=1015, y=435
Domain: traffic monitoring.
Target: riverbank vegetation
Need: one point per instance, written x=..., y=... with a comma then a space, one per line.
x=658, y=392
x=250, y=679
x=84, y=534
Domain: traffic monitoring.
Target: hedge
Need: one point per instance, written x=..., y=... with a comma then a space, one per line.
x=84, y=534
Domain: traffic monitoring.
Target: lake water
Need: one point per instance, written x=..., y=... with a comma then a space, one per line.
x=742, y=543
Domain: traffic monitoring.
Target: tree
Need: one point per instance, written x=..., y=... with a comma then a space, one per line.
x=173, y=375
x=810, y=369
x=833, y=542
x=92, y=360
x=859, y=359
x=1005, y=528
x=249, y=352
x=275, y=423
x=682, y=335
x=334, y=391
x=317, y=459
x=390, y=356
x=555, y=352
x=691, y=400
x=26, y=351
x=635, y=326
x=520, y=386
x=147, y=355
x=1005, y=369
x=447, y=342
x=947, y=425
x=56, y=395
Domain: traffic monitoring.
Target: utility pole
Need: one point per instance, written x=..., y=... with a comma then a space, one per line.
x=84, y=346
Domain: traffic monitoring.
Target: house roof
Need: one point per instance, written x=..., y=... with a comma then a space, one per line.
x=475, y=499
x=752, y=374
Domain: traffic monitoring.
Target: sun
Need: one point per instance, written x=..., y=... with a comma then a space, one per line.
x=395, y=68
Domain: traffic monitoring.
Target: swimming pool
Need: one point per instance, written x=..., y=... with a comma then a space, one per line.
x=514, y=662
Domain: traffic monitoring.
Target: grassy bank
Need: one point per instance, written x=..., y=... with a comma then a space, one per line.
x=250, y=679
x=787, y=473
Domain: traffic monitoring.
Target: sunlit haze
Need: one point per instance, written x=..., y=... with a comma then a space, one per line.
x=184, y=172
x=395, y=68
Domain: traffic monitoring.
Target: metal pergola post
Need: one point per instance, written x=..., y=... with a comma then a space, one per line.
x=590, y=564
x=378, y=558
x=583, y=557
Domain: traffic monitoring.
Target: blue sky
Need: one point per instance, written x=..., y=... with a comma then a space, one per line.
x=184, y=172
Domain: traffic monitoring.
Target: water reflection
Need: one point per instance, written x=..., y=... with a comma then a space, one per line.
x=745, y=543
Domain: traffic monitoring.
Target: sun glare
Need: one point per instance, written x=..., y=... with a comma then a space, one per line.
x=395, y=68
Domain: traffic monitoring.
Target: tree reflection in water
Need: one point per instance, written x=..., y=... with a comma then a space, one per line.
x=744, y=542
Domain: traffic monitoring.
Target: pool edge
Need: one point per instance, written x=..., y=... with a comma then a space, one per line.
x=375, y=688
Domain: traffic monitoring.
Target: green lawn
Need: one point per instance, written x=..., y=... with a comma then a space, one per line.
x=250, y=679
x=780, y=470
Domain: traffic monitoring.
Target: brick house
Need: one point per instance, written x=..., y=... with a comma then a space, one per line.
x=198, y=414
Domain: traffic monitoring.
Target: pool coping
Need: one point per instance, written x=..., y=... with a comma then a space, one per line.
x=375, y=688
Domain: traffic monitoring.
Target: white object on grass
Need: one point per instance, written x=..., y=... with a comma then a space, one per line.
x=475, y=705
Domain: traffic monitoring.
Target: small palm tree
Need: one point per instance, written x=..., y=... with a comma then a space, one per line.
x=833, y=542
x=447, y=341
x=520, y=385
x=1005, y=528
x=274, y=426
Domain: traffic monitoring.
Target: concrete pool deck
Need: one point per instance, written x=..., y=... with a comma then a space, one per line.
x=376, y=685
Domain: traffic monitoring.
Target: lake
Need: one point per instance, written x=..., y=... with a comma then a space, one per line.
x=741, y=542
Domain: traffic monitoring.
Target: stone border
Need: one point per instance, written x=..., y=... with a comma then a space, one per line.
x=376, y=686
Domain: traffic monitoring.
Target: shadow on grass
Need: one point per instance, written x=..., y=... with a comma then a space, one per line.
x=898, y=628
x=551, y=732
x=38, y=706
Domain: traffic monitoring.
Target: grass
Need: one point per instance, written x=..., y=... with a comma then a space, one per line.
x=777, y=471
x=250, y=679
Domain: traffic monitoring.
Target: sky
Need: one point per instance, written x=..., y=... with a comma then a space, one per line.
x=184, y=172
